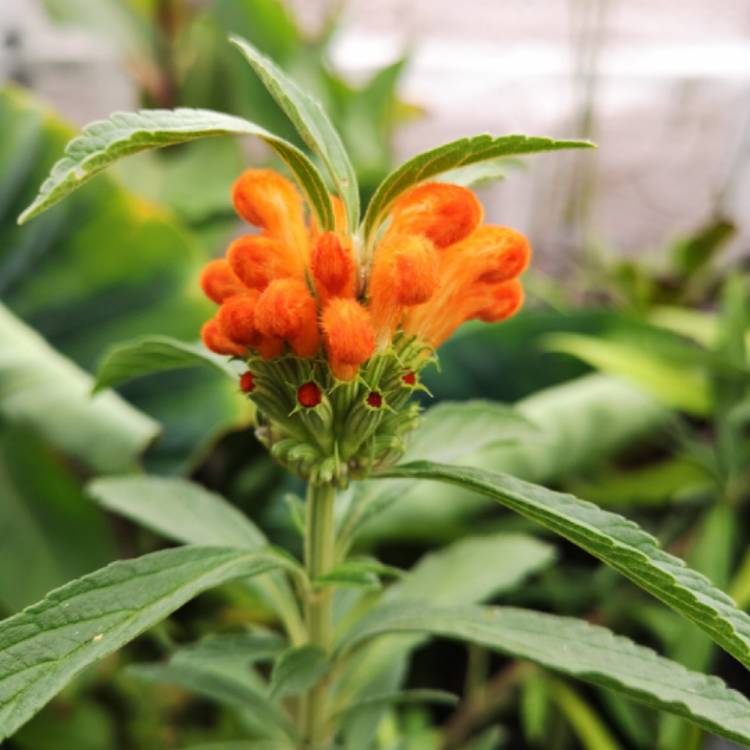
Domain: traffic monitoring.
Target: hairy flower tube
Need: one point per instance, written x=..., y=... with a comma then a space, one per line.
x=334, y=342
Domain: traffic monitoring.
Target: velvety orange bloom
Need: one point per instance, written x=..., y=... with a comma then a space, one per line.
x=291, y=287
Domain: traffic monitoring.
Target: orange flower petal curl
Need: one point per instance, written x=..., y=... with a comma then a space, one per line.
x=441, y=212
x=217, y=341
x=332, y=267
x=219, y=282
x=236, y=318
x=287, y=310
x=259, y=259
x=348, y=332
x=267, y=200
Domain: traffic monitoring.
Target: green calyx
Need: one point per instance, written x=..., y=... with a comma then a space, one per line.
x=329, y=431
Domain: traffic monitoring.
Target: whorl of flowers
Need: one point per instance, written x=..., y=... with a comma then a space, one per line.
x=292, y=288
x=333, y=341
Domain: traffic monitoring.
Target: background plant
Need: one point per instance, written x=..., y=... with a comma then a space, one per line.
x=563, y=596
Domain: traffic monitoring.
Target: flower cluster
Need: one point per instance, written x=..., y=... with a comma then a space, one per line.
x=334, y=342
x=294, y=288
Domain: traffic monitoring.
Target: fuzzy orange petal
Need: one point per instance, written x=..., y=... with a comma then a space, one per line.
x=236, y=317
x=287, y=310
x=259, y=259
x=217, y=341
x=332, y=266
x=348, y=332
x=219, y=282
x=404, y=273
x=441, y=212
x=267, y=200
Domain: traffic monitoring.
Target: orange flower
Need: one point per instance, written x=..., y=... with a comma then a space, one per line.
x=349, y=336
x=293, y=286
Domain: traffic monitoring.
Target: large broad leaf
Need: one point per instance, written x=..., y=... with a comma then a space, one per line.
x=711, y=553
x=616, y=541
x=466, y=572
x=46, y=645
x=149, y=354
x=105, y=266
x=104, y=142
x=42, y=389
x=449, y=156
x=576, y=648
x=312, y=124
x=177, y=509
x=451, y=430
x=577, y=426
x=186, y=512
x=50, y=532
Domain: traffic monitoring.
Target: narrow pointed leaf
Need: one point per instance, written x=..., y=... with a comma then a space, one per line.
x=124, y=133
x=449, y=156
x=46, y=645
x=615, y=540
x=186, y=512
x=149, y=354
x=311, y=122
x=578, y=649
x=177, y=509
x=358, y=573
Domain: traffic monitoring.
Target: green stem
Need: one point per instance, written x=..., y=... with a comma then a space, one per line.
x=320, y=557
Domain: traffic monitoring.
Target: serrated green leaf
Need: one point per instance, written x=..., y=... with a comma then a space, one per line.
x=188, y=513
x=449, y=156
x=297, y=670
x=311, y=122
x=481, y=173
x=149, y=354
x=105, y=141
x=616, y=541
x=42, y=389
x=46, y=645
x=578, y=649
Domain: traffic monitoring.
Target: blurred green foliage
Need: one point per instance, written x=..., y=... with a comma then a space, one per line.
x=664, y=433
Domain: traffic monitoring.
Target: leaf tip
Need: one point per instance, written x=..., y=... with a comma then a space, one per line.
x=28, y=213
